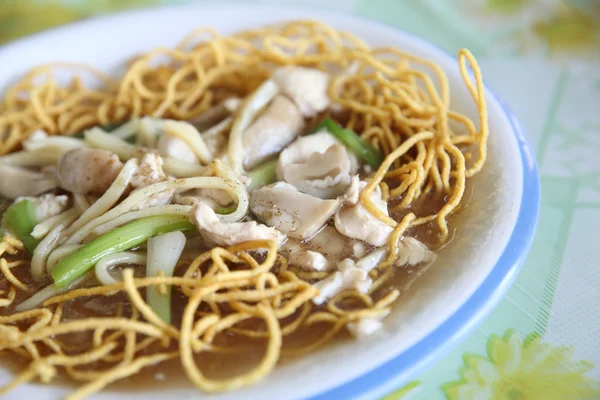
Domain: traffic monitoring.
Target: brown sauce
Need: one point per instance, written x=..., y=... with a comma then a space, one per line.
x=170, y=374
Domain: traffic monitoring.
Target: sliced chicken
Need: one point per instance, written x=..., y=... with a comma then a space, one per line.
x=86, y=170
x=278, y=126
x=365, y=326
x=317, y=165
x=47, y=205
x=352, y=194
x=175, y=147
x=227, y=234
x=309, y=260
x=357, y=222
x=150, y=171
x=331, y=247
x=307, y=87
x=297, y=214
x=413, y=252
x=347, y=277
x=371, y=260
x=18, y=182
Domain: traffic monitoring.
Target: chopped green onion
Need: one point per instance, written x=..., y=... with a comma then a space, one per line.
x=351, y=140
x=163, y=255
x=108, y=128
x=122, y=238
x=226, y=210
x=20, y=219
x=263, y=175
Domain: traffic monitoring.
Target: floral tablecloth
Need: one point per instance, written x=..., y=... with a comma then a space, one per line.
x=543, y=57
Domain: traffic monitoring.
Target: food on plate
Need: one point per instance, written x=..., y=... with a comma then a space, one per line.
x=260, y=193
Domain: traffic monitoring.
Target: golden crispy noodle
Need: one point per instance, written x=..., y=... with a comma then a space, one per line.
x=246, y=290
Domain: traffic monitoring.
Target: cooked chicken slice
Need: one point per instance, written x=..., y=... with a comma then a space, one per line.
x=175, y=147
x=365, y=326
x=278, y=126
x=317, y=165
x=18, y=182
x=358, y=223
x=86, y=170
x=297, y=214
x=359, y=249
x=352, y=194
x=309, y=260
x=347, y=277
x=413, y=252
x=322, y=252
x=227, y=234
x=371, y=260
x=150, y=171
x=306, y=86
x=47, y=205
x=329, y=242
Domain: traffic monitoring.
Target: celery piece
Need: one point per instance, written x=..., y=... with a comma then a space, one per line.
x=108, y=128
x=263, y=175
x=20, y=219
x=226, y=210
x=122, y=238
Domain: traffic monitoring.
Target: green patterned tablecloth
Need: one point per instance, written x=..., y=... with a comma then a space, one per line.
x=543, y=57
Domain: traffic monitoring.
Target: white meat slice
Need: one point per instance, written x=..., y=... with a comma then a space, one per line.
x=18, y=182
x=84, y=170
x=274, y=129
x=318, y=165
x=358, y=223
x=322, y=252
x=309, y=260
x=307, y=87
x=413, y=252
x=365, y=327
x=47, y=205
x=297, y=214
x=227, y=234
x=371, y=260
x=150, y=171
x=352, y=194
x=347, y=277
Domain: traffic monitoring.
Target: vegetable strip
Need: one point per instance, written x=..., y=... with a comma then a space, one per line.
x=123, y=238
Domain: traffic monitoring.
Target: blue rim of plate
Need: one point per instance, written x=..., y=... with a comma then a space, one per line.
x=392, y=374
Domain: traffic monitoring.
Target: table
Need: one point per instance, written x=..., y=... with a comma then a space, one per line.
x=543, y=57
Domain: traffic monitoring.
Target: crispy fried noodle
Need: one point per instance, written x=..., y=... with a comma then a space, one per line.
x=263, y=190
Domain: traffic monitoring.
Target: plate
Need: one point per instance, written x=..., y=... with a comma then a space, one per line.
x=472, y=272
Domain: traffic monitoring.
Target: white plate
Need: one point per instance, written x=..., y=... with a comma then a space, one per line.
x=467, y=281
